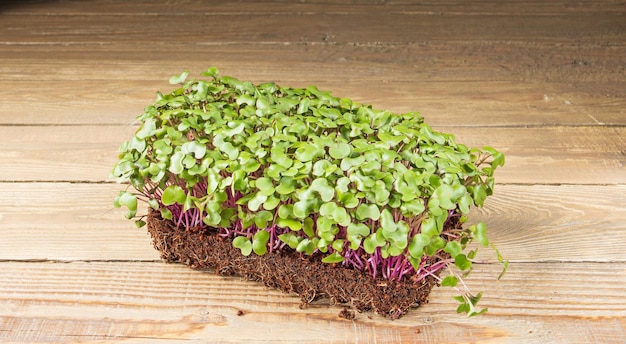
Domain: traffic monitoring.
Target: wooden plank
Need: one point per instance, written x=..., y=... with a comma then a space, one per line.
x=576, y=155
x=544, y=81
x=374, y=25
x=135, y=302
x=63, y=221
x=545, y=155
x=146, y=7
x=596, y=98
x=420, y=62
x=442, y=103
x=550, y=223
x=68, y=222
x=413, y=62
x=61, y=153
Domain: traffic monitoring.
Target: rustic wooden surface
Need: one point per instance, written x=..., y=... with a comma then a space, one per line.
x=543, y=81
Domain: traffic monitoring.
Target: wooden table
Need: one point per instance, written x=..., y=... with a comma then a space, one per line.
x=544, y=81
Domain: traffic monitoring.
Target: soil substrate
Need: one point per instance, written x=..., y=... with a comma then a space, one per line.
x=288, y=271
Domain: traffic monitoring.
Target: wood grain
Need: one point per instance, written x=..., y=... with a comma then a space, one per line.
x=543, y=81
x=415, y=61
x=441, y=103
x=65, y=221
x=148, y=7
x=365, y=24
x=135, y=302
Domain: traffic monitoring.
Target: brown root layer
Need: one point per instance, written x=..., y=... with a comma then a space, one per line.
x=288, y=271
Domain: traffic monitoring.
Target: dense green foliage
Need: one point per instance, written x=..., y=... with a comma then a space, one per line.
x=278, y=168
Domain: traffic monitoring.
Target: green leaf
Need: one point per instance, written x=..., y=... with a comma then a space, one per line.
x=189, y=162
x=193, y=147
x=285, y=211
x=179, y=79
x=245, y=99
x=294, y=225
x=231, y=151
x=372, y=242
x=349, y=200
x=445, y=195
x=308, y=227
x=166, y=214
x=326, y=228
x=453, y=248
x=303, y=107
x=281, y=159
x=340, y=150
x=137, y=144
x=327, y=209
x=367, y=211
x=498, y=158
x=338, y=245
x=320, y=166
x=479, y=194
x=243, y=244
x=213, y=219
x=355, y=233
x=391, y=140
x=213, y=181
x=255, y=202
x=436, y=243
x=461, y=262
x=292, y=240
x=333, y=258
x=213, y=72
x=342, y=184
x=306, y=153
x=417, y=245
x=381, y=194
x=301, y=209
x=189, y=203
x=251, y=166
x=386, y=220
x=348, y=163
x=153, y=203
x=429, y=227
x=286, y=186
x=306, y=245
x=340, y=215
x=147, y=129
x=262, y=218
x=173, y=194
x=465, y=203
x=449, y=281
x=271, y=203
x=259, y=242
x=126, y=199
x=337, y=213
x=480, y=234
x=263, y=106
x=326, y=191
x=234, y=128
x=265, y=186
x=176, y=163
x=413, y=208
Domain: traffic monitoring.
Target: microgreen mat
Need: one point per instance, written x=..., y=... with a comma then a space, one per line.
x=276, y=168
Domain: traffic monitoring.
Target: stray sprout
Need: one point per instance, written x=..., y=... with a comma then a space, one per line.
x=275, y=168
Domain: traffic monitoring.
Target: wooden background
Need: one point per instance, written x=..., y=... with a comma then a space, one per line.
x=543, y=81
